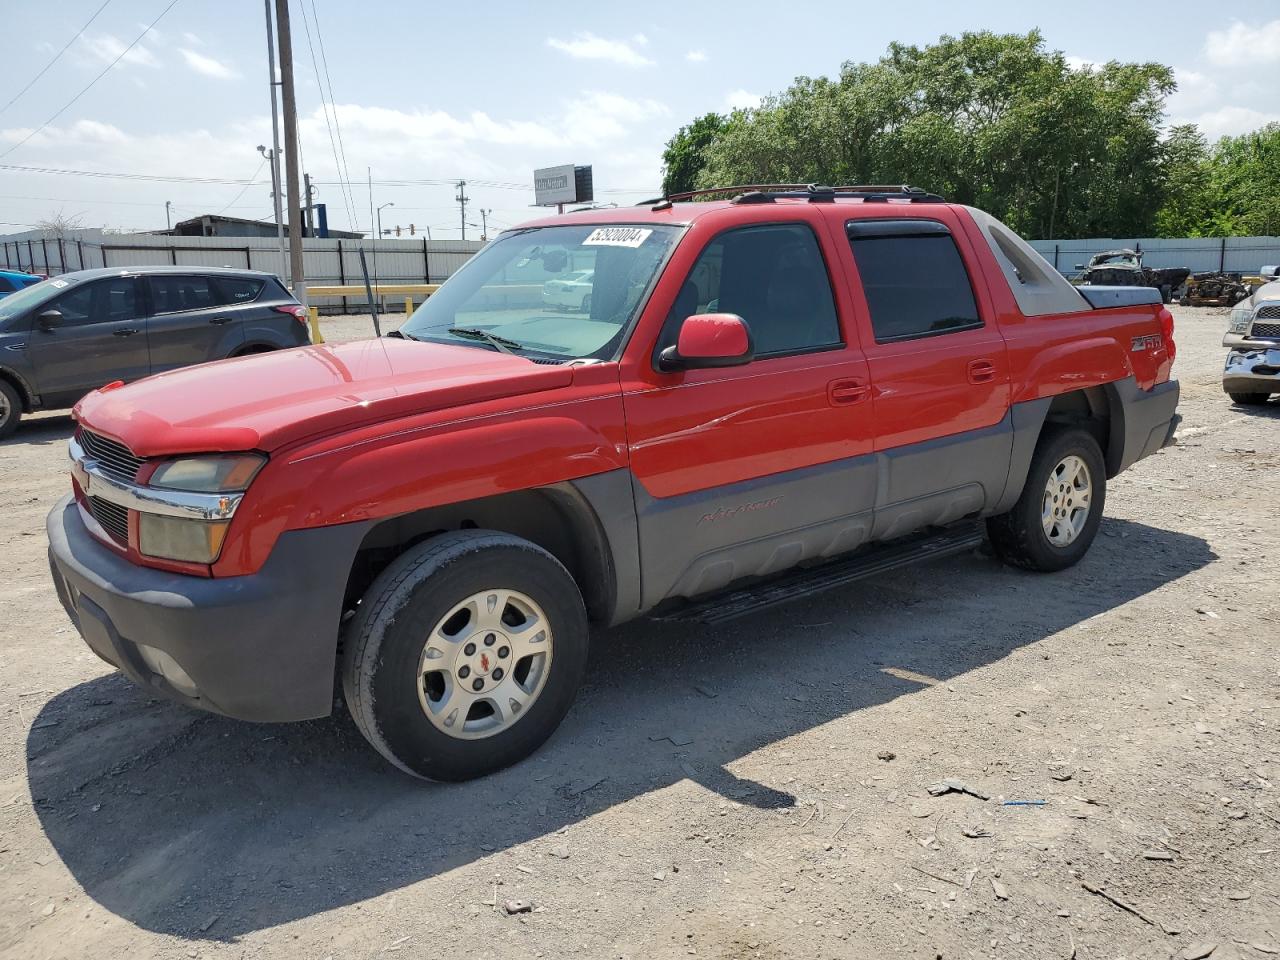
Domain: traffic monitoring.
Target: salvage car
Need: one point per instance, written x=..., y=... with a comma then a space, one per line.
x=11, y=281
x=772, y=394
x=1124, y=268
x=1252, y=371
x=66, y=336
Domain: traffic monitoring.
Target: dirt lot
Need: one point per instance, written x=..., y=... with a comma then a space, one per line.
x=722, y=792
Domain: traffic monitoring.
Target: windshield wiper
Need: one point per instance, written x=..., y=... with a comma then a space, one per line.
x=502, y=344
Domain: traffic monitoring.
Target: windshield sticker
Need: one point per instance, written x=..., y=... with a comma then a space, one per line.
x=617, y=237
x=59, y=283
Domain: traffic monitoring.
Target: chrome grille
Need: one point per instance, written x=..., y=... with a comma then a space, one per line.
x=1270, y=312
x=1268, y=330
x=111, y=517
x=114, y=459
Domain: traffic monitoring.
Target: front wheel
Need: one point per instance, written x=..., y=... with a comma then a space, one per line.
x=465, y=654
x=10, y=409
x=1057, y=516
x=1244, y=399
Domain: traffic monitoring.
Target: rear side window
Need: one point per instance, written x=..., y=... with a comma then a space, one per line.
x=174, y=294
x=774, y=278
x=913, y=278
x=6, y=285
x=233, y=290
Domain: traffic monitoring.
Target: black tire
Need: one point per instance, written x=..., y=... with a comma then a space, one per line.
x=1244, y=399
x=384, y=641
x=586, y=304
x=1019, y=536
x=10, y=408
x=1166, y=293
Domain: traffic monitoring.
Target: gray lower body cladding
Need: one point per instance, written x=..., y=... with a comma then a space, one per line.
x=260, y=647
x=1252, y=371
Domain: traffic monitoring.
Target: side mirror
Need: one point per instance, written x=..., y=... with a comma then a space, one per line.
x=709, y=340
x=49, y=319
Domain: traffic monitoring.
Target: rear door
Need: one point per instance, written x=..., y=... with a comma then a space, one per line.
x=940, y=368
x=100, y=338
x=190, y=321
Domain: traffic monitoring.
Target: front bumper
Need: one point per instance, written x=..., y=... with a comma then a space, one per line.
x=260, y=647
x=1252, y=370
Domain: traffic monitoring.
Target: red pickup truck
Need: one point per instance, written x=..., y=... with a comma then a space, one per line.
x=796, y=386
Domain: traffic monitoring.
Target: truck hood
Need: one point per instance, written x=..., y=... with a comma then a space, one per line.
x=266, y=401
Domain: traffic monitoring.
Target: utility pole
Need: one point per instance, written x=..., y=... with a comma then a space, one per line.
x=462, y=199
x=309, y=192
x=272, y=156
x=290, y=107
x=167, y=224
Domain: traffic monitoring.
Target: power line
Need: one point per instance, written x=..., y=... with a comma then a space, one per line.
x=56, y=57
x=159, y=178
x=333, y=143
x=245, y=187
x=345, y=172
x=65, y=106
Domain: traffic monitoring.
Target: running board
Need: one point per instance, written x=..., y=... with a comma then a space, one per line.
x=798, y=584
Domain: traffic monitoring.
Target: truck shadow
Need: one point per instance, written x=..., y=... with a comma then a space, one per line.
x=207, y=828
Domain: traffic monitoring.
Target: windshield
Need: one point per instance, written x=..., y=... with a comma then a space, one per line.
x=565, y=292
x=32, y=296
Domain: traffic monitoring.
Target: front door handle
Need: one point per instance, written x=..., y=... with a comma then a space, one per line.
x=126, y=332
x=981, y=371
x=844, y=392
x=219, y=321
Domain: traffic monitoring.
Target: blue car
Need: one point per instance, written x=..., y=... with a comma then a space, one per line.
x=11, y=281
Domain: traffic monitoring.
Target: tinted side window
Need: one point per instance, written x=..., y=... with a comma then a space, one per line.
x=101, y=302
x=774, y=278
x=913, y=278
x=233, y=290
x=6, y=285
x=172, y=294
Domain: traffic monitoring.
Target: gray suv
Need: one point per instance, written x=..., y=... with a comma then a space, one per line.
x=71, y=334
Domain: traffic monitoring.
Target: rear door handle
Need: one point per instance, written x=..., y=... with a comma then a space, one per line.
x=126, y=332
x=844, y=392
x=219, y=321
x=981, y=371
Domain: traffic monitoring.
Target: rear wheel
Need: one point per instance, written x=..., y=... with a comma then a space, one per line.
x=465, y=654
x=586, y=303
x=10, y=409
x=1249, y=399
x=1057, y=516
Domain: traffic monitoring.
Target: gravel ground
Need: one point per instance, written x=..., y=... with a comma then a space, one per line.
x=754, y=790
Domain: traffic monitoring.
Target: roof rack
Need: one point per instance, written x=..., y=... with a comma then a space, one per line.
x=814, y=193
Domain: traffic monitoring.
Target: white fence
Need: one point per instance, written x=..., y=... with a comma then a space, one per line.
x=325, y=261
x=1246, y=255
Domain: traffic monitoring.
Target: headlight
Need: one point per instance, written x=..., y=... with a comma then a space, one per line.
x=1240, y=318
x=212, y=474
x=173, y=538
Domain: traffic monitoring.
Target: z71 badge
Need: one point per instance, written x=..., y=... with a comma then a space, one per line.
x=1150, y=341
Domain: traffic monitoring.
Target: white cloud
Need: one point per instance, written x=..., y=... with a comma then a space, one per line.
x=207, y=65
x=640, y=39
x=192, y=39
x=741, y=100
x=587, y=46
x=1243, y=45
x=105, y=47
x=597, y=116
x=1232, y=121
x=696, y=56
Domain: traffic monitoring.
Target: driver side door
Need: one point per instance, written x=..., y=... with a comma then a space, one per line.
x=101, y=337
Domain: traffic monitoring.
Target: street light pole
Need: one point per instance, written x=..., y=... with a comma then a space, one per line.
x=168, y=224
x=389, y=203
x=484, y=223
x=272, y=156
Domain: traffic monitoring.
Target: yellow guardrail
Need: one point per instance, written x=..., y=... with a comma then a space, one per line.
x=408, y=290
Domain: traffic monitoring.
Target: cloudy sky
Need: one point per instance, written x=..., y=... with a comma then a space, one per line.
x=428, y=91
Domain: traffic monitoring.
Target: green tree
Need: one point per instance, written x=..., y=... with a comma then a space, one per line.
x=993, y=120
x=684, y=156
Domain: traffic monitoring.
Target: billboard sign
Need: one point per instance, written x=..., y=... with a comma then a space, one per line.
x=552, y=185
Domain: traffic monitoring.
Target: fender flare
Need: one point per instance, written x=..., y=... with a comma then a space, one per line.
x=30, y=399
